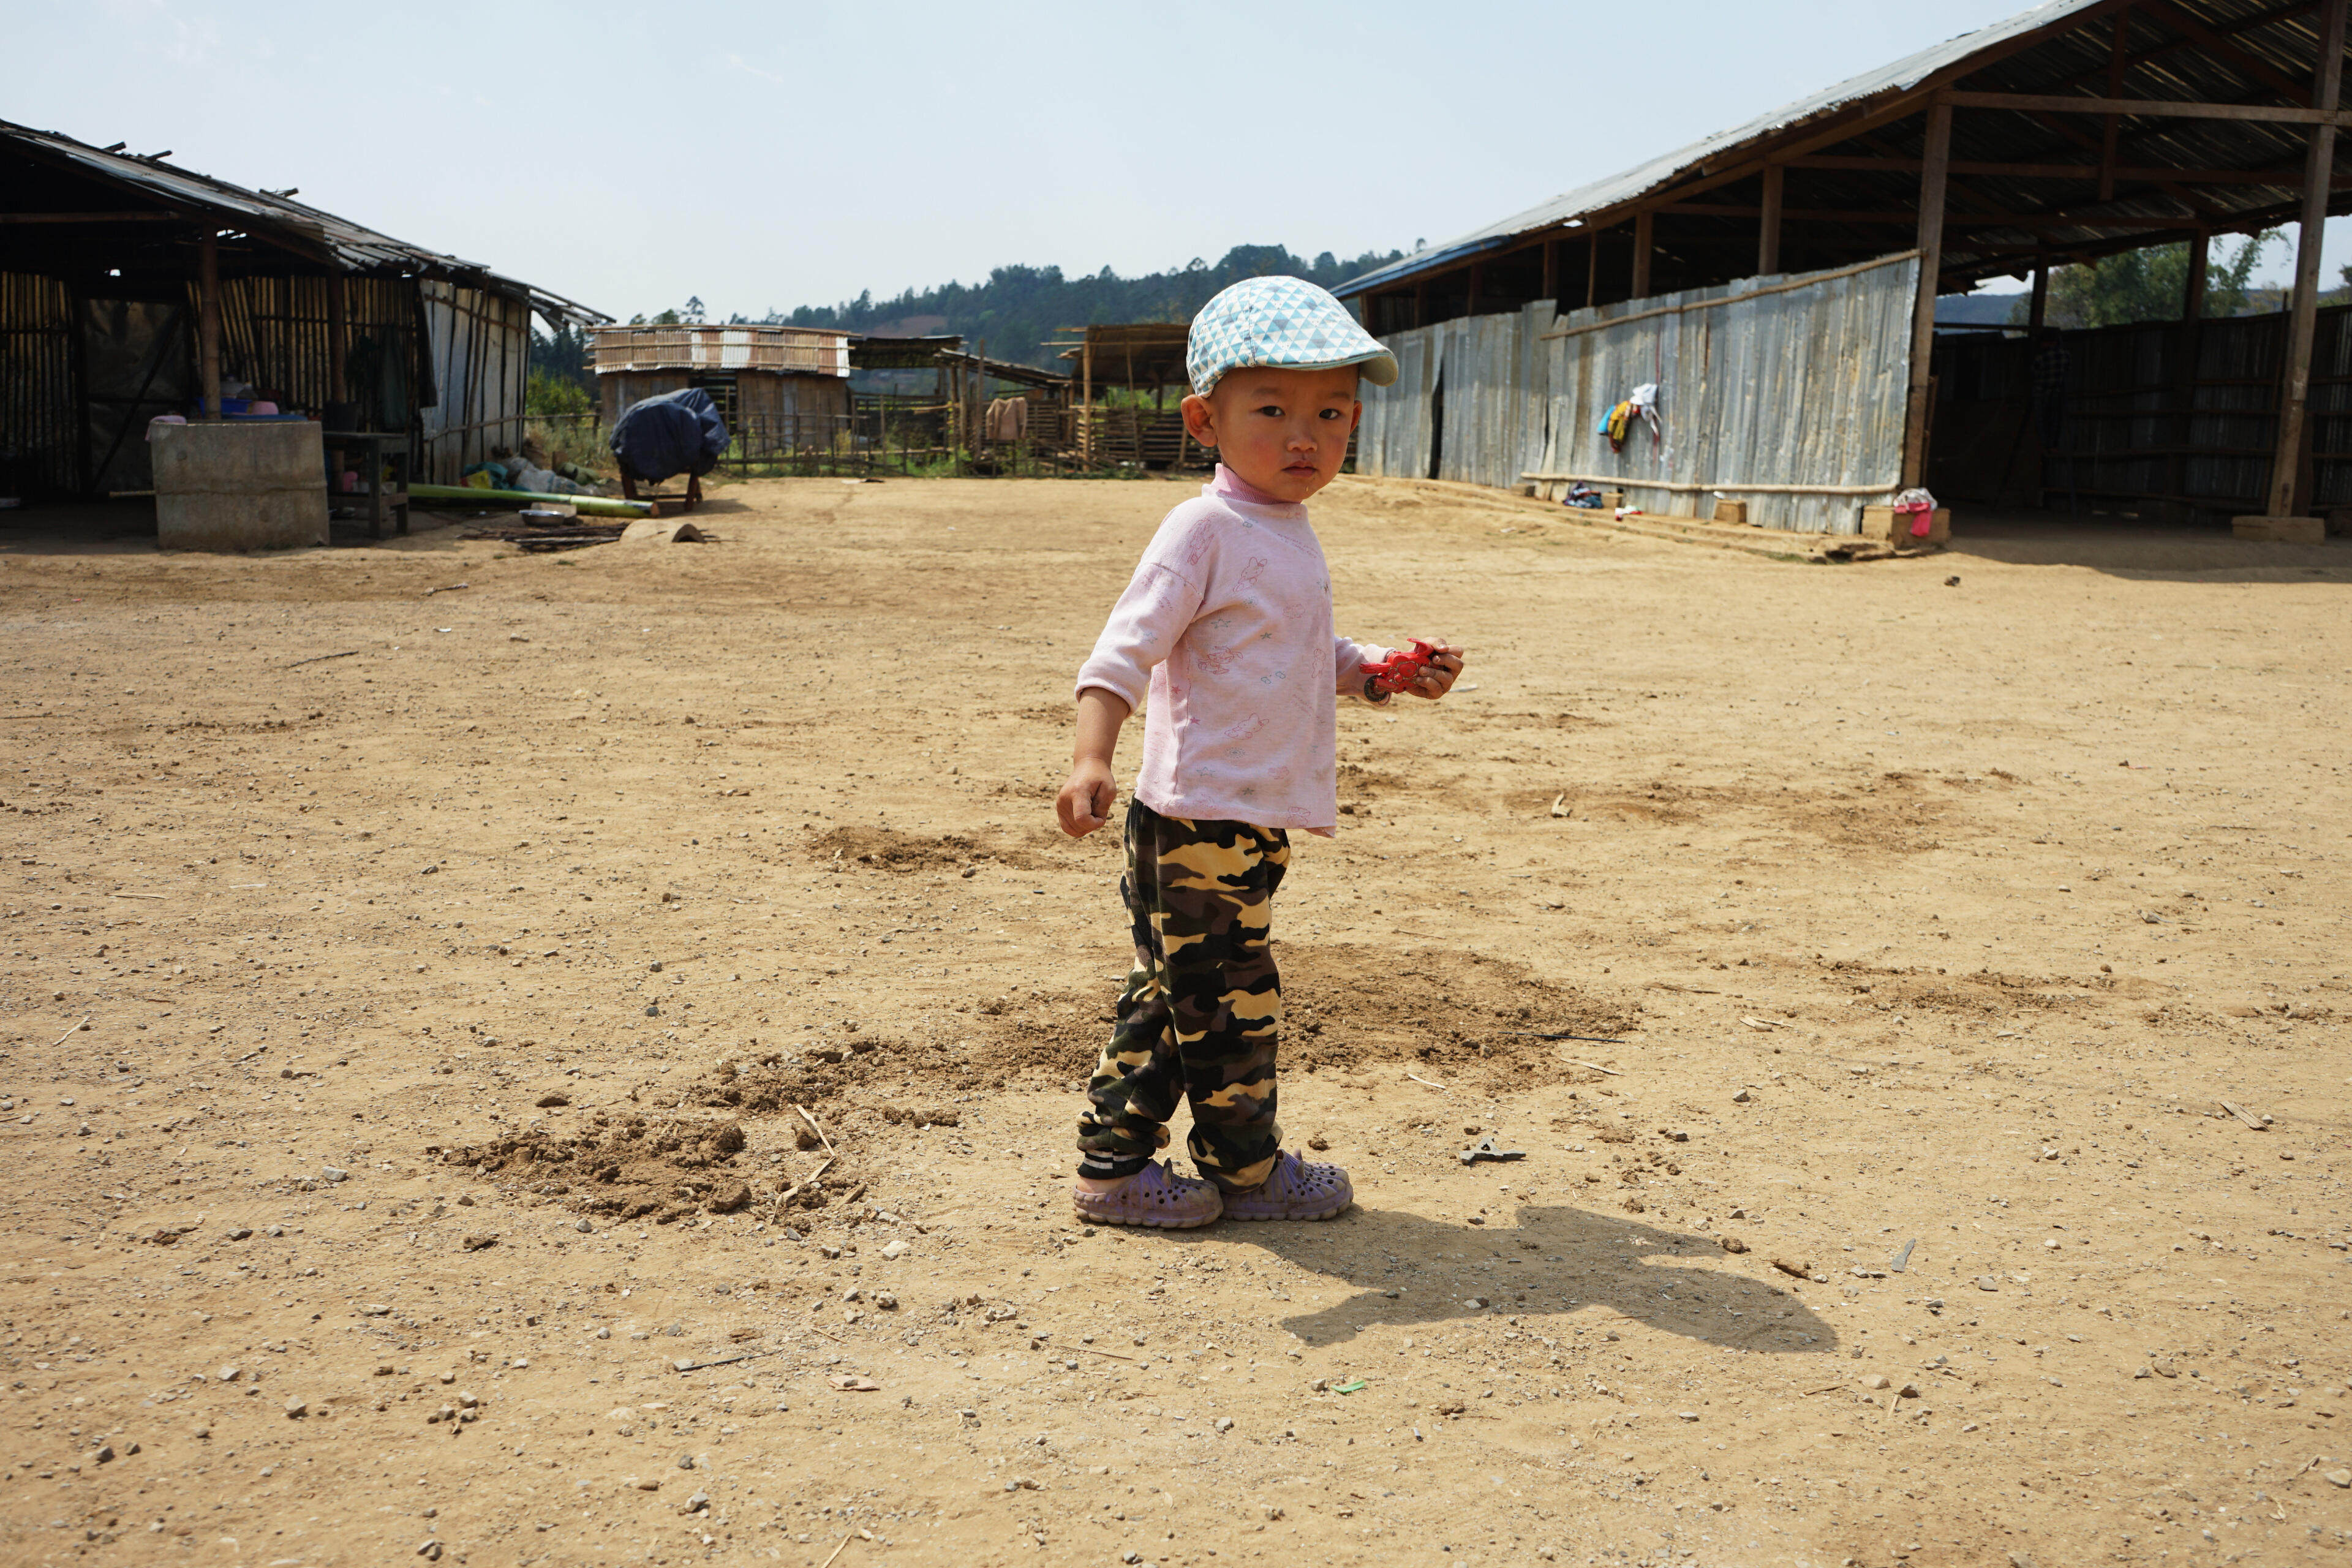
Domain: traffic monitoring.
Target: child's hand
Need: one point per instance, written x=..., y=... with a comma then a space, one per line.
x=1086, y=800
x=1444, y=668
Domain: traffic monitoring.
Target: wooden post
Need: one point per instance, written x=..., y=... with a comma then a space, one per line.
x=1768, y=232
x=2038, y=308
x=1470, y=299
x=338, y=328
x=208, y=374
x=1087, y=402
x=1551, y=289
x=1420, y=302
x=1644, y=229
x=1933, y=168
x=2318, y=165
x=2186, y=343
x=1592, y=270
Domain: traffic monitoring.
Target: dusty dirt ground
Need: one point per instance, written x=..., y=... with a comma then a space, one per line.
x=430, y=1175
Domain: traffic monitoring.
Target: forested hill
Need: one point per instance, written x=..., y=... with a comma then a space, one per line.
x=1020, y=308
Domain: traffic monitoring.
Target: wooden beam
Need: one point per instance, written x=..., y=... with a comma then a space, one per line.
x=2118, y=50
x=1550, y=286
x=2214, y=46
x=1593, y=269
x=1470, y=296
x=208, y=369
x=2280, y=175
x=1644, y=236
x=2304, y=319
x=1918, y=411
x=2146, y=107
x=1767, y=223
x=2037, y=309
x=1901, y=218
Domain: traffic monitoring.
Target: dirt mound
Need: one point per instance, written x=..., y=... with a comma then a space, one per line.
x=887, y=850
x=623, y=1166
x=1346, y=1007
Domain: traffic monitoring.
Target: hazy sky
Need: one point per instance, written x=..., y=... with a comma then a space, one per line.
x=774, y=156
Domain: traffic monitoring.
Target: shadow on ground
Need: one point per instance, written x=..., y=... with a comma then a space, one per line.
x=1554, y=1259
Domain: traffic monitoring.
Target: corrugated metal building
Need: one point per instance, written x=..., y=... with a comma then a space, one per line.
x=123, y=277
x=1777, y=280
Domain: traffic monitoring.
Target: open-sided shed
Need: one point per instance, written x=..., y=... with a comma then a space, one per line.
x=1796, y=261
x=131, y=286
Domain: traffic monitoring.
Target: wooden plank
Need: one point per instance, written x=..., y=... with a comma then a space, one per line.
x=2304, y=319
x=1930, y=247
x=1644, y=236
x=1768, y=222
x=2146, y=107
x=208, y=321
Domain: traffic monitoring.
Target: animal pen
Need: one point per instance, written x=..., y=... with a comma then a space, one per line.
x=131, y=288
x=1793, y=351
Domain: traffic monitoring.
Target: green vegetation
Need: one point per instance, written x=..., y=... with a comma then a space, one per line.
x=2148, y=284
x=1021, y=308
x=547, y=393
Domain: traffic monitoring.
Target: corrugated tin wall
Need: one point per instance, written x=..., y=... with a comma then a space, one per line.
x=39, y=445
x=1801, y=387
x=480, y=349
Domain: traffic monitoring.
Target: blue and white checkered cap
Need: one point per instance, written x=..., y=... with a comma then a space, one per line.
x=1283, y=321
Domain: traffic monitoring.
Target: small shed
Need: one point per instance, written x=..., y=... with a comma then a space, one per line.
x=1136, y=357
x=780, y=389
x=131, y=286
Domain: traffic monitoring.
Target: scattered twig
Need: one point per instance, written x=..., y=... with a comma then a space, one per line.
x=837, y=1339
x=726, y=1361
x=1588, y=1040
x=1090, y=1349
x=2244, y=1115
x=1763, y=1023
x=320, y=659
x=1423, y=1081
x=1691, y=990
x=249, y=1055
x=815, y=1129
x=69, y=1033
x=450, y=589
x=836, y=1551
x=137, y=895
x=1596, y=1067
x=1831, y=1388
x=794, y=1190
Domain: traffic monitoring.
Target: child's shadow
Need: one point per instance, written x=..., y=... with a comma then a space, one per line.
x=1554, y=1260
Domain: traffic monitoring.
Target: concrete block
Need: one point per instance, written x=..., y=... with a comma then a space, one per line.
x=1882, y=522
x=239, y=485
x=2281, y=529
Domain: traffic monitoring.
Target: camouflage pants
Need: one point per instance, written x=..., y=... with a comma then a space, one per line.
x=1202, y=1008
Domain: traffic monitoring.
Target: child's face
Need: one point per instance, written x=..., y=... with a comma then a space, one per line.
x=1283, y=431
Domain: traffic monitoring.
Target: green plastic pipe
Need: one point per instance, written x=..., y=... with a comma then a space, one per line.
x=590, y=506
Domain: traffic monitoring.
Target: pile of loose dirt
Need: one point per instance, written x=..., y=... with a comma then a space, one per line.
x=1346, y=1007
x=622, y=1166
x=886, y=850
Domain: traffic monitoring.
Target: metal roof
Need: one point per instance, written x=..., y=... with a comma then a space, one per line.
x=297, y=225
x=2185, y=50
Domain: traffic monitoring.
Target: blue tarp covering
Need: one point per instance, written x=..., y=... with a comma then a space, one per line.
x=677, y=433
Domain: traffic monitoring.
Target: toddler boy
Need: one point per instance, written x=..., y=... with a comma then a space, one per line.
x=1227, y=628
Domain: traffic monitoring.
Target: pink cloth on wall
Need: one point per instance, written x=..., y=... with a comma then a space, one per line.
x=1226, y=629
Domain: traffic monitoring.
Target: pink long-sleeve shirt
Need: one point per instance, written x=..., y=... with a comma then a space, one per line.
x=1227, y=628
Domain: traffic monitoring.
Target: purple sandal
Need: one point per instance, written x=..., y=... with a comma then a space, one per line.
x=1155, y=1195
x=1294, y=1190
